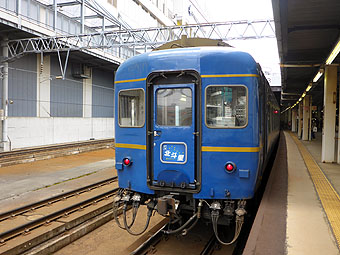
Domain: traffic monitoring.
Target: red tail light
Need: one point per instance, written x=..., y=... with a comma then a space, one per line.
x=230, y=167
x=127, y=161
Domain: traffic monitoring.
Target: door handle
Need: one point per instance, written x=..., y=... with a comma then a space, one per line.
x=156, y=133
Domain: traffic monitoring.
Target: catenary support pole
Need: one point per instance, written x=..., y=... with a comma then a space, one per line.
x=4, y=138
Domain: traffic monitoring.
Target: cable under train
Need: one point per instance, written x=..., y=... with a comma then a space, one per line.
x=194, y=129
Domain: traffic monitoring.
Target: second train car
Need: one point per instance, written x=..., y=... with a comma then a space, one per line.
x=194, y=129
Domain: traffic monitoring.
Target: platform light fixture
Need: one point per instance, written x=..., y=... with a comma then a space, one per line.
x=317, y=76
x=309, y=87
x=333, y=54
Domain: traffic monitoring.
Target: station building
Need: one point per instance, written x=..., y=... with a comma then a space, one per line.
x=54, y=97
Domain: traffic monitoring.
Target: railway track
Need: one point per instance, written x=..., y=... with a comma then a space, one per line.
x=151, y=242
x=36, y=223
x=198, y=241
x=51, y=151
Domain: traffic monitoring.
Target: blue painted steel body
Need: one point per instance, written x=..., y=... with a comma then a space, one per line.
x=207, y=61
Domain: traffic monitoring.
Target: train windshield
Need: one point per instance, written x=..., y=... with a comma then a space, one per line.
x=226, y=106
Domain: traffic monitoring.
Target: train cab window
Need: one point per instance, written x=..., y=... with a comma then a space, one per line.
x=174, y=107
x=131, y=108
x=226, y=106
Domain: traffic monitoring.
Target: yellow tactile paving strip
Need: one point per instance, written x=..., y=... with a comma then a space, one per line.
x=329, y=198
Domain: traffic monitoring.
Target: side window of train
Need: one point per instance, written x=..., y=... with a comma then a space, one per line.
x=131, y=107
x=226, y=106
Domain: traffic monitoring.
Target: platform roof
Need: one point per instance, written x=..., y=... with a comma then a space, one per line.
x=91, y=60
x=306, y=31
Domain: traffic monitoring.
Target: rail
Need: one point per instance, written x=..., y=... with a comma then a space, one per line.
x=46, y=202
x=153, y=240
x=53, y=147
x=54, y=215
x=151, y=243
x=51, y=151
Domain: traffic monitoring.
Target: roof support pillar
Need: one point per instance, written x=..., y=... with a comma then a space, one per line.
x=4, y=138
x=328, y=132
x=43, y=86
x=306, y=116
x=300, y=121
x=310, y=118
x=87, y=95
x=294, y=115
x=338, y=152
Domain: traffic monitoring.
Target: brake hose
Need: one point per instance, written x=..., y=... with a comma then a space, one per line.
x=115, y=216
x=128, y=228
x=238, y=227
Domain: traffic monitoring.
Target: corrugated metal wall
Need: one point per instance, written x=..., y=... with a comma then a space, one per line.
x=102, y=93
x=22, y=89
x=66, y=95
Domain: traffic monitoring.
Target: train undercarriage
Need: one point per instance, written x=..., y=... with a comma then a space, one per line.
x=183, y=212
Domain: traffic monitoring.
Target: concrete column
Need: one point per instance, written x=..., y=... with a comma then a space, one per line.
x=329, y=113
x=5, y=146
x=294, y=115
x=310, y=118
x=306, y=114
x=87, y=94
x=289, y=119
x=300, y=121
x=338, y=152
x=43, y=86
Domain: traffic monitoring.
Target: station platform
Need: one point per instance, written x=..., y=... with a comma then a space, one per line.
x=299, y=212
x=27, y=183
x=300, y=209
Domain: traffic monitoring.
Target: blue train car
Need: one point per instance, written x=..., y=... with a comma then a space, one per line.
x=194, y=129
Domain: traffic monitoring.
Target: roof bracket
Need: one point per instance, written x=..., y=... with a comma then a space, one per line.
x=63, y=69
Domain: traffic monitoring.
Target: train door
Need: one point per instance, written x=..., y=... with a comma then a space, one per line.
x=173, y=126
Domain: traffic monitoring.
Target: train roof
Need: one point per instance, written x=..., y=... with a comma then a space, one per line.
x=205, y=60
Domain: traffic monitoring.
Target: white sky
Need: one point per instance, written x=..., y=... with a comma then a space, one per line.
x=263, y=50
x=228, y=10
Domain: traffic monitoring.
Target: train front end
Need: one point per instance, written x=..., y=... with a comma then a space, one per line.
x=188, y=135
